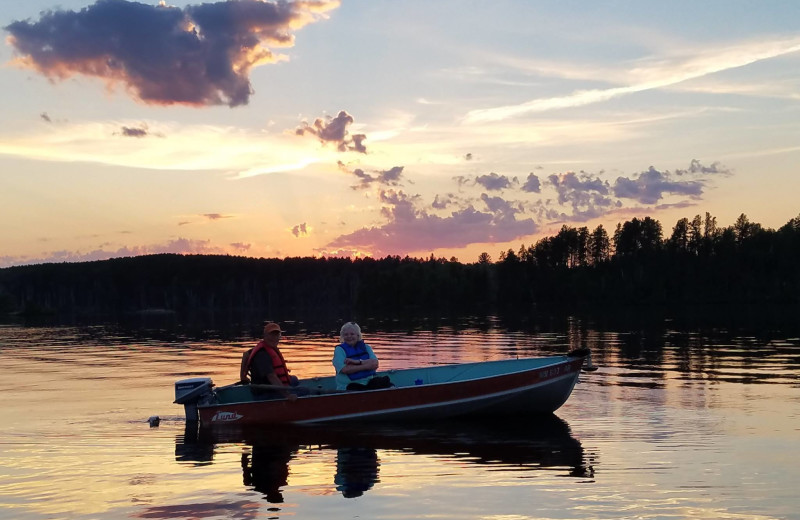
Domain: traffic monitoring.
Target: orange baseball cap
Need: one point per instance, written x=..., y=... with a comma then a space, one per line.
x=272, y=327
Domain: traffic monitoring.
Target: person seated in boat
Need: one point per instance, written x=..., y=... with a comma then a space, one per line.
x=355, y=362
x=264, y=363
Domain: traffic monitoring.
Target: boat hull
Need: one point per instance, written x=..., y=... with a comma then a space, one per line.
x=534, y=389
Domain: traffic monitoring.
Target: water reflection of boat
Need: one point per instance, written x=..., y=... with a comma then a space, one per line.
x=357, y=469
x=541, y=442
x=512, y=386
x=266, y=469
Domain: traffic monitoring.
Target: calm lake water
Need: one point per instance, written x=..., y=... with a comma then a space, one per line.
x=678, y=422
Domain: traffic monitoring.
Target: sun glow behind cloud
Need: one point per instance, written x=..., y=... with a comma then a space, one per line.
x=169, y=146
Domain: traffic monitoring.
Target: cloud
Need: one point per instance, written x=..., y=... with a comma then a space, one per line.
x=591, y=197
x=650, y=186
x=493, y=181
x=178, y=246
x=45, y=117
x=461, y=180
x=390, y=177
x=198, y=55
x=237, y=151
x=498, y=205
x=468, y=157
x=240, y=246
x=586, y=193
x=443, y=202
x=697, y=168
x=215, y=216
x=532, y=184
x=409, y=229
x=133, y=132
x=334, y=131
x=300, y=229
x=657, y=74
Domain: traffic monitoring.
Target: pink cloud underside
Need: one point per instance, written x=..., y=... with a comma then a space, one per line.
x=178, y=246
x=423, y=232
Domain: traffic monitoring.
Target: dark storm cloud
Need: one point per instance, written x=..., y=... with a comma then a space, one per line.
x=532, y=184
x=409, y=229
x=650, y=186
x=334, y=131
x=197, y=55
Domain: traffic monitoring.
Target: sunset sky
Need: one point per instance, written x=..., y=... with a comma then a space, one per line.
x=377, y=127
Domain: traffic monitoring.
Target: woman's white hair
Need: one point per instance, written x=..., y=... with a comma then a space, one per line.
x=350, y=325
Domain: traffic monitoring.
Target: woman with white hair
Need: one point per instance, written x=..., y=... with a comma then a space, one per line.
x=355, y=362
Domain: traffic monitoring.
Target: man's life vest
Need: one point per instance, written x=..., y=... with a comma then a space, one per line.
x=357, y=351
x=278, y=363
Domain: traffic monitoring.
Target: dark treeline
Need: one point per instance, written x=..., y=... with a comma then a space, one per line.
x=217, y=283
x=697, y=263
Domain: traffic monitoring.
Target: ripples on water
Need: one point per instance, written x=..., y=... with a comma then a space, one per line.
x=675, y=424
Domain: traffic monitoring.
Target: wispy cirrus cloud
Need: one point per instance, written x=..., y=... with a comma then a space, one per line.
x=197, y=55
x=244, y=153
x=652, y=74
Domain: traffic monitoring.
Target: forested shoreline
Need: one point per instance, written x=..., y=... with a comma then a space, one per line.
x=697, y=263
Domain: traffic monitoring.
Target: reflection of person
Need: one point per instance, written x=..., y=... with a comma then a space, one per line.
x=355, y=362
x=268, y=472
x=356, y=470
x=265, y=363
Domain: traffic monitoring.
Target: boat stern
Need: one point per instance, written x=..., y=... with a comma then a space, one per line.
x=189, y=392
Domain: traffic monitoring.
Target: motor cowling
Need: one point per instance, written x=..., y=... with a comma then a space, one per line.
x=189, y=392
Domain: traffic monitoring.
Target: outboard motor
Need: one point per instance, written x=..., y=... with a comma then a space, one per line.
x=189, y=392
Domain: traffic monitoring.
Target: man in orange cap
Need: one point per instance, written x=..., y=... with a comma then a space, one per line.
x=265, y=363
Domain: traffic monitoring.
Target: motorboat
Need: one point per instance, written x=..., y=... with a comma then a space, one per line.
x=535, y=385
